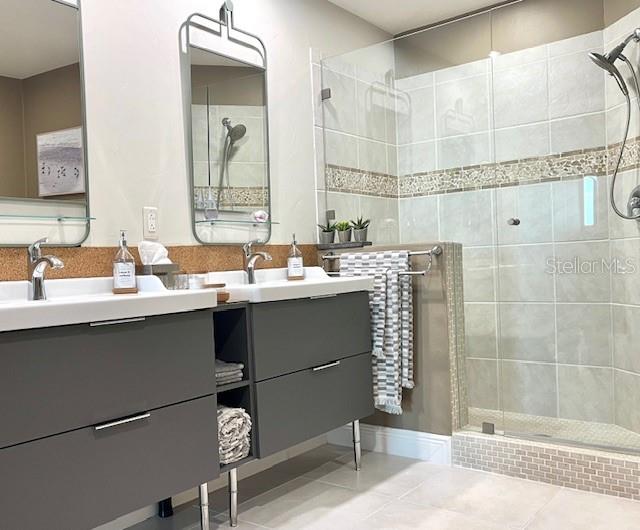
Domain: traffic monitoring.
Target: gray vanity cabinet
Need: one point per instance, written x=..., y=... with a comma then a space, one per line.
x=296, y=407
x=100, y=420
x=312, y=367
x=58, y=379
x=86, y=477
x=296, y=334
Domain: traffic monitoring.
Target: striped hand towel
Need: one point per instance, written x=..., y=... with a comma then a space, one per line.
x=391, y=304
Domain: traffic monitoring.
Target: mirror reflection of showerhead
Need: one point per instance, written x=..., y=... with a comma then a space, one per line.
x=235, y=133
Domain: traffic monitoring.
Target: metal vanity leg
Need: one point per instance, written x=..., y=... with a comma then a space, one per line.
x=233, y=497
x=204, y=507
x=357, y=451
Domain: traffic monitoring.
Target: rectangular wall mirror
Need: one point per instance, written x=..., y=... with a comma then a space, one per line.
x=228, y=138
x=43, y=163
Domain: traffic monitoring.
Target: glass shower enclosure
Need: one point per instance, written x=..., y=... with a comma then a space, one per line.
x=505, y=146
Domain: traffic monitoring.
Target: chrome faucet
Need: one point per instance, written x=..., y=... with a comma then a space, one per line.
x=250, y=259
x=37, y=266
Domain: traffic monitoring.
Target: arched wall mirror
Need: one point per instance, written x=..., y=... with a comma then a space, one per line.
x=227, y=131
x=43, y=162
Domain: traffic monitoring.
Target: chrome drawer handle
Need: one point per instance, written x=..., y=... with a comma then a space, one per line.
x=325, y=366
x=114, y=322
x=123, y=421
x=320, y=296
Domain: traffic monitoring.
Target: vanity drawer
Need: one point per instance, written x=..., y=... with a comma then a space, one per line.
x=87, y=477
x=296, y=407
x=297, y=334
x=58, y=379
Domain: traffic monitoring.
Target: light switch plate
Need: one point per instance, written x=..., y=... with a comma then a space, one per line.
x=150, y=223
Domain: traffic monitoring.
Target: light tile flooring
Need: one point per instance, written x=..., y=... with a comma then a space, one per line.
x=319, y=490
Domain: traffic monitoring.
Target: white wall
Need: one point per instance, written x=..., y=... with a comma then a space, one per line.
x=137, y=155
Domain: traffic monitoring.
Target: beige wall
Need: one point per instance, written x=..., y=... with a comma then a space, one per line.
x=616, y=9
x=52, y=101
x=514, y=27
x=45, y=102
x=12, y=183
x=136, y=104
x=232, y=85
x=536, y=22
x=427, y=407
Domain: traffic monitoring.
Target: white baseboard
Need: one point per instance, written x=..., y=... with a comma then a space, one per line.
x=433, y=448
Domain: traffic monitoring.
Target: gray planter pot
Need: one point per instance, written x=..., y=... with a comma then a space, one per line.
x=360, y=234
x=326, y=238
x=344, y=236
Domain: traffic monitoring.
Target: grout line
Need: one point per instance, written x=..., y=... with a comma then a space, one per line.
x=545, y=505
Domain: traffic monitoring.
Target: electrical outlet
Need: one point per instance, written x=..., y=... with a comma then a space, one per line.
x=150, y=223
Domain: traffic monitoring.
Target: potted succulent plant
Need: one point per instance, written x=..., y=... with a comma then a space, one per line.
x=344, y=231
x=360, y=228
x=327, y=233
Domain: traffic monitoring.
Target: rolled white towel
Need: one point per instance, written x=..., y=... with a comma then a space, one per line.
x=234, y=434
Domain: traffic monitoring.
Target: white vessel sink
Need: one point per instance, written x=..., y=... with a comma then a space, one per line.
x=272, y=285
x=89, y=300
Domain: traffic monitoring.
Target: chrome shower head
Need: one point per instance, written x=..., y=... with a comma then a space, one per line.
x=234, y=133
x=604, y=62
x=607, y=61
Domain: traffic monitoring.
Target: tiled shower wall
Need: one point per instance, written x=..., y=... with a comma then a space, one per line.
x=625, y=243
x=531, y=134
x=247, y=166
x=356, y=172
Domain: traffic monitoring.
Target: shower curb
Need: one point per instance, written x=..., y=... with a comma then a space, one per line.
x=585, y=469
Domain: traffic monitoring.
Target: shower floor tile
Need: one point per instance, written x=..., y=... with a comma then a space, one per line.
x=601, y=435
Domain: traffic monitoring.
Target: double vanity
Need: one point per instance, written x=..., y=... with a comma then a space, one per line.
x=109, y=401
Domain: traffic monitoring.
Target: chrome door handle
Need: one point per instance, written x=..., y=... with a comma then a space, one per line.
x=325, y=366
x=114, y=322
x=123, y=421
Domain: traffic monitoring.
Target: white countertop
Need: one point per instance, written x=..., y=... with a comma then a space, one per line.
x=90, y=300
x=272, y=285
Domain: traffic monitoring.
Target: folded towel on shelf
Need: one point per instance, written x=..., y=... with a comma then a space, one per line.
x=234, y=434
x=224, y=367
x=231, y=378
x=391, y=304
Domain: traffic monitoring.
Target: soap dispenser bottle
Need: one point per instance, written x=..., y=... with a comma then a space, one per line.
x=295, y=265
x=124, y=269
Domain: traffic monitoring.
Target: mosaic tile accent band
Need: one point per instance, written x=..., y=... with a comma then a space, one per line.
x=356, y=181
x=513, y=173
x=582, y=469
x=576, y=164
x=250, y=196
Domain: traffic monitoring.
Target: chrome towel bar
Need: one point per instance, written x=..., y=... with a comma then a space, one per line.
x=435, y=251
